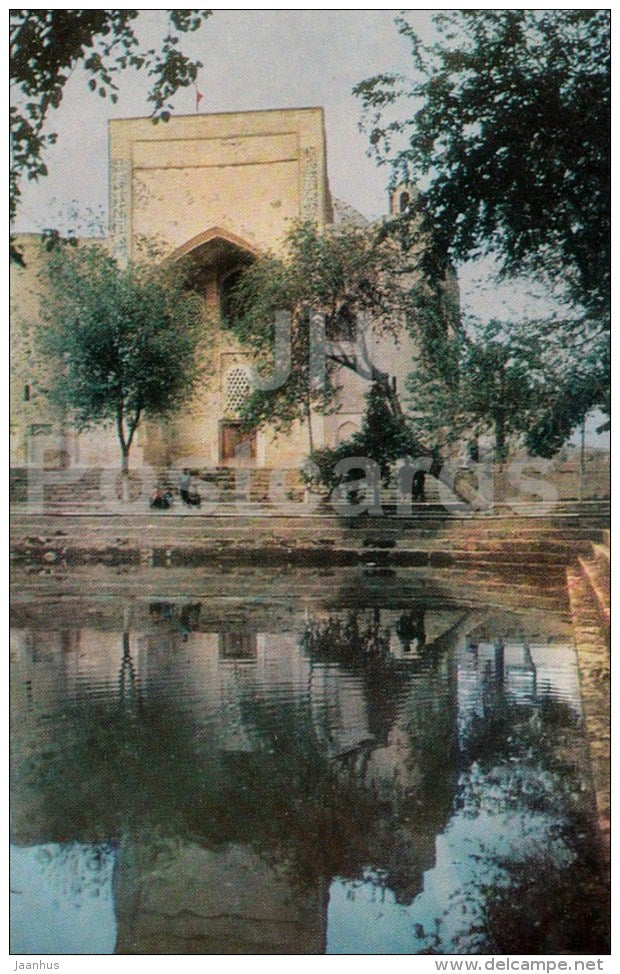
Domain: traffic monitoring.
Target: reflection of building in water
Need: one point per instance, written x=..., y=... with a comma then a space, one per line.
x=212, y=673
x=192, y=900
x=47, y=667
x=386, y=729
x=522, y=673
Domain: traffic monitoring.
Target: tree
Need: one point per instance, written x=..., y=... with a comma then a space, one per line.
x=127, y=341
x=578, y=379
x=486, y=384
x=352, y=276
x=341, y=273
x=510, y=133
x=47, y=46
x=384, y=437
x=520, y=383
x=510, y=139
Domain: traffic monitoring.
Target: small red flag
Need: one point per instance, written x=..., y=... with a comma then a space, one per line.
x=199, y=98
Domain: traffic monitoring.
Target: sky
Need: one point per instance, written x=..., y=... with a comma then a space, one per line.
x=254, y=59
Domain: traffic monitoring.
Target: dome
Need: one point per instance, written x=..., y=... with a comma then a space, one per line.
x=345, y=215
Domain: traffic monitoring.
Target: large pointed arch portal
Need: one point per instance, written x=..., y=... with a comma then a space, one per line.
x=212, y=239
x=212, y=263
x=216, y=246
x=212, y=259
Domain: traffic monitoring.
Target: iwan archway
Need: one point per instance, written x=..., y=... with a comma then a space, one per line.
x=213, y=262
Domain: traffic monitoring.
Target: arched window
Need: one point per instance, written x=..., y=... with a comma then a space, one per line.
x=345, y=431
x=237, y=389
x=404, y=202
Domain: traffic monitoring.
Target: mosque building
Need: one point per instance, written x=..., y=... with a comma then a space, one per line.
x=221, y=188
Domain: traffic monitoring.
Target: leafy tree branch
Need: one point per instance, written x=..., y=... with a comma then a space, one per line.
x=46, y=46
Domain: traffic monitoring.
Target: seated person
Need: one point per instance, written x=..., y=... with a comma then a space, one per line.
x=160, y=500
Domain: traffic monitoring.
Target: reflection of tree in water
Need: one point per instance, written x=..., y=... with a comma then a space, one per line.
x=346, y=639
x=324, y=813
x=128, y=689
x=361, y=647
x=537, y=888
x=411, y=631
x=350, y=640
x=430, y=727
x=124, y=773
x=156, y=774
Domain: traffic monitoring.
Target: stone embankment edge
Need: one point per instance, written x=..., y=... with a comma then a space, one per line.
x=592, y=644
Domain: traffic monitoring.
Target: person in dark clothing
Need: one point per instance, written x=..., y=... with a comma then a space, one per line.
x=185, y=483
x=410, y=483
x=160, y=501
x=417, y=486
x=189, y=497
x=410, y=629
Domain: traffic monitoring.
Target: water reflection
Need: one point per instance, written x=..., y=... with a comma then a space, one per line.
x=62, y=898
x=263, y=792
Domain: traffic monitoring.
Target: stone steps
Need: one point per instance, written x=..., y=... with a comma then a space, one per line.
x=253, y=532
x=91, y=489
x=534, y=550
x=95, y=501
x=593, y=657
x=245, y=586
x=116, y=554
x=249, y=530
x=596, y=571
x=125, y=551
x=422, y=519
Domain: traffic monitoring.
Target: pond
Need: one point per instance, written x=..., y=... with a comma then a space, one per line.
x=396, y=778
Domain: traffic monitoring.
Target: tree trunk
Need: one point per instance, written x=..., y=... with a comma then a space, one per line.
x=124, y=473
x=387, y=384
x=500, y=438
x=582, y=460
x=309, y=421
x=125, y=441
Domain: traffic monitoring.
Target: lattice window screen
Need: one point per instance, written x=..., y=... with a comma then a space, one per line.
x=237, y=389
